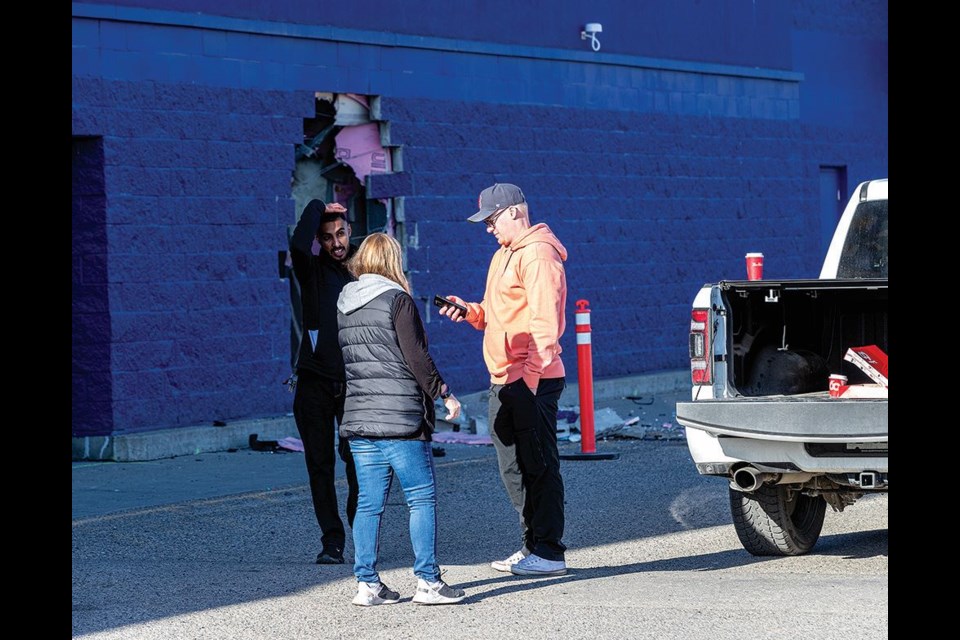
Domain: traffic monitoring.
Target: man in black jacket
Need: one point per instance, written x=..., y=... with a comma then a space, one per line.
x=319, y=392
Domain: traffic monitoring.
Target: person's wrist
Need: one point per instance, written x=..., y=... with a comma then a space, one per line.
x=445, y=392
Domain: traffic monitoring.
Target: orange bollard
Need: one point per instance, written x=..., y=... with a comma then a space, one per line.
x=588, y=444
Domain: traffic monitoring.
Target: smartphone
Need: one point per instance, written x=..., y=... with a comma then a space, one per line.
x=440, y=301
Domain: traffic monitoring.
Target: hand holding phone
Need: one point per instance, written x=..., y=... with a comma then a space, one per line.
x=441, y=302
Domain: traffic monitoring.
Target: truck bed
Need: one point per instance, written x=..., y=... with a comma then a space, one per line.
x=785, y=337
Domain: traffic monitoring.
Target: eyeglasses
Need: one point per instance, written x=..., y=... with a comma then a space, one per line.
x=492, y=220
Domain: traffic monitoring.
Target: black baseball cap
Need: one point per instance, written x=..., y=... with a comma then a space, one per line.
x=499, y=196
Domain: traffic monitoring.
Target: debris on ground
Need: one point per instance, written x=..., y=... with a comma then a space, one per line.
x=459, y=437
x=291, y=444
x=262, y=445
x=275, y=446
x=610, y=425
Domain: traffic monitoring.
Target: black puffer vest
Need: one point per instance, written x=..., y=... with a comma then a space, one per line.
x=383, y=397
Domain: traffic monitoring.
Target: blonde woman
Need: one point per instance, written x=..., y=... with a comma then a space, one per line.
x=388, y=419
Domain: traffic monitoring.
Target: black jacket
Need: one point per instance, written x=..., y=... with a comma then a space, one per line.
x=321, y=279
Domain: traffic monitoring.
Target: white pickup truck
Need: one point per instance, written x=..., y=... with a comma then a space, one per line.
x=760, y=415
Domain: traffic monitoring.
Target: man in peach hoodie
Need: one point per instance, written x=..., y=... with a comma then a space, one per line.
x=522, y=317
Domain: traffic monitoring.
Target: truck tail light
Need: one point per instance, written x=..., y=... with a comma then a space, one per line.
x=701, y=357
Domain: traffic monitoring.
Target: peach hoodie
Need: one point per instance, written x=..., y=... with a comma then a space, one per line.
x=522, y=312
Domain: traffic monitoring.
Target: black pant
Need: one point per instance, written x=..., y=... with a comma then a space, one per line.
x=524, y=434
x=317, y=401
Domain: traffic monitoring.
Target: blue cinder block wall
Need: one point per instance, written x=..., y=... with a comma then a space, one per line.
x=197, y=181
x=695, y=135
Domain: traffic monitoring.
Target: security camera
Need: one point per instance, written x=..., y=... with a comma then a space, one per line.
x=590, y=30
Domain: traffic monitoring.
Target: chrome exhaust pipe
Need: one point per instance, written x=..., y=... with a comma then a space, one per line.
x=748, y=479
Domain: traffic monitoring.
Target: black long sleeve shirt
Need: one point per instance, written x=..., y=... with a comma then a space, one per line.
x=321, y=279
x=413, y=345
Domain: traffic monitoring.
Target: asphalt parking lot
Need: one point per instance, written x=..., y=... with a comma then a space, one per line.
x=221, y=545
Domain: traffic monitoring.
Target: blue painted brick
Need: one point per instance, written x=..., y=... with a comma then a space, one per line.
x=146, y=355
x=403, y=59
x=213, y=44
x=86, y=91
x=172, y=67
x=163, y=39
x=140, y=383
x=85, y=33
x=293, y=104
x=256, y=74
x=134, y=96
x=358, y=56
x=114, y=35
x=91, y=328
x=143, y=414
x=94, y=268
x=85, y=61
x=91, y=418
x=389, y=185
x=90, y=299
x=244, y=46
x=125, y=65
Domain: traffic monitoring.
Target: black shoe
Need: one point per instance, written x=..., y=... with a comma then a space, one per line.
x=330, y=555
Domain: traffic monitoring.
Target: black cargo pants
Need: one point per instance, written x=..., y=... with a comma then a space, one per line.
x=524, y=434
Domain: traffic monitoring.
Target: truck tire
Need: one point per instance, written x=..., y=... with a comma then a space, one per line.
x=773, y=521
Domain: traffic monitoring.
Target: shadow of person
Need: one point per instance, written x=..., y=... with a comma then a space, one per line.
x=863, y=544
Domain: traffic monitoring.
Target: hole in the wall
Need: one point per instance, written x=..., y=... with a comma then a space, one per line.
x=341, y=146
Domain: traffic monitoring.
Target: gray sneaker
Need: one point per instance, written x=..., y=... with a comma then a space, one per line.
x=534, y=565
x=504, y=565
x=371, y=593
x=438, y=592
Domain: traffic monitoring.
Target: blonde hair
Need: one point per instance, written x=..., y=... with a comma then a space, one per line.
x=381, y=255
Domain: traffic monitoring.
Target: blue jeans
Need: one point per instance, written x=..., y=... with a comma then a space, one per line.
x=377, y=460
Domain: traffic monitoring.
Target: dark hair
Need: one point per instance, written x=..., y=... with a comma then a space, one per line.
x=330, y=216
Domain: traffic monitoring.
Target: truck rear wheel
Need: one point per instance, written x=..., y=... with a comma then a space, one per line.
x=776, y=521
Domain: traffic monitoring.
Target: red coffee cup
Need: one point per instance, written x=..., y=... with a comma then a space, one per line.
x=836, y=384
x=754, y=266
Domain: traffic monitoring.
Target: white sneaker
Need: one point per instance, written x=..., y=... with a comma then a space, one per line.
x=438, y=592
x=504, y=565
x=371, y=593
x=534, y=565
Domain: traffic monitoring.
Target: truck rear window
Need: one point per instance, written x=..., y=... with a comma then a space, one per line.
x=865, y=252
